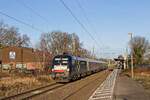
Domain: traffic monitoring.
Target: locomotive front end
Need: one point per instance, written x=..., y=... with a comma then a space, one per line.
x=60, y=69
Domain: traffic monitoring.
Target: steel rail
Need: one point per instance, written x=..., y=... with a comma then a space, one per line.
x=31, y=92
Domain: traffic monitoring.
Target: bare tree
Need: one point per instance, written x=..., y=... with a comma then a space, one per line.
x=59, y=42
x=9, y=36
x=3, y=30
x=25, y=41
x=139, y=46
x=55, y=42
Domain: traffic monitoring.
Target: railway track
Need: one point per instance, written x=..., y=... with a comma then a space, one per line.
x=79, y=89
x=34, y=92
x=84, y=86
x=41, y=90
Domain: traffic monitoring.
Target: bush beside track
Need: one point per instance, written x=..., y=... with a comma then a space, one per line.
x=14, y=83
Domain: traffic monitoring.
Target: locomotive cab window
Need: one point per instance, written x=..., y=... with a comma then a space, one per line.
x=57, y=61
x=64, y=61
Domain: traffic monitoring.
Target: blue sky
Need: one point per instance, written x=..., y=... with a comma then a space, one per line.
x=111, y=19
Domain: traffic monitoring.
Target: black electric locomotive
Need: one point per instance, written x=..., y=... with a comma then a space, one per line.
x=67, y=67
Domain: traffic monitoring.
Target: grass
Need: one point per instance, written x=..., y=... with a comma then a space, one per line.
x=144, y=80
x=15, y=83
x=141, y=75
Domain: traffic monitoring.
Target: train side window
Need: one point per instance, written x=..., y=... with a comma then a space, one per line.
x=83, y=63
x=73, y=62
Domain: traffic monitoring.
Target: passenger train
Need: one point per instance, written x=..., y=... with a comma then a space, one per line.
x=66, y=67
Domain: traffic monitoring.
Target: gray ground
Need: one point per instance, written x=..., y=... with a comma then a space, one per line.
x=78, y=90
x=128, y=89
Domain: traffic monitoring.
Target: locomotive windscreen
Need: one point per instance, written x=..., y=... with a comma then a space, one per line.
x=57, y=61
x=62, y=61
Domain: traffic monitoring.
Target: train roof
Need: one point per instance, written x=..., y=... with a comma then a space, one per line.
x=96, y=61
x=80, y=58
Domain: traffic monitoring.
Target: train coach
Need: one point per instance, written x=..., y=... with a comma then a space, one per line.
x=67, y=67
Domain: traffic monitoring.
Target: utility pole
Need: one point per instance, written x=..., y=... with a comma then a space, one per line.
x=74, y=46
x=43, y=58
x=22, y=56
x=1, y=59
x=109, y=63
x=124, y=62
x=65, y=43
x=93, y=52
x=127, y=58
x=132, y=72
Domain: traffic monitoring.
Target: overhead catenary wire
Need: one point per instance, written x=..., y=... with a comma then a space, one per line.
x=78, y=21
x=81, y=24
x=88, y=21
x=33, y=11
x=22, y=22
x=87, y=18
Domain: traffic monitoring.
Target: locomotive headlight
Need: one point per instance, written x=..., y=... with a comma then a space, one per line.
x=68, y=70
x=52, y=70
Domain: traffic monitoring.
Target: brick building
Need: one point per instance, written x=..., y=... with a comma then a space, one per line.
x=24, y=58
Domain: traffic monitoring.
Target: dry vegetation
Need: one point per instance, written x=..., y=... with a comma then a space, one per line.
x=141, y=75
x=13, y=83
